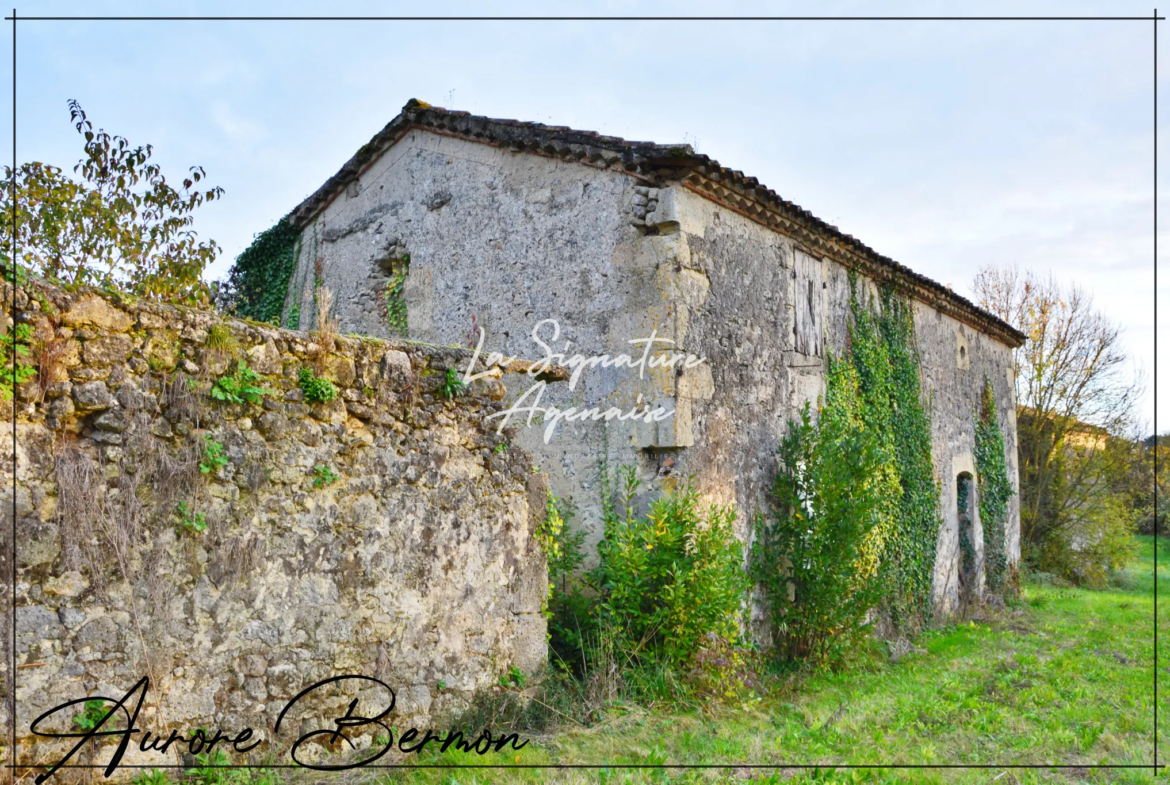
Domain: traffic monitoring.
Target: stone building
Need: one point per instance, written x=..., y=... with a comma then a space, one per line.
x=446, y=224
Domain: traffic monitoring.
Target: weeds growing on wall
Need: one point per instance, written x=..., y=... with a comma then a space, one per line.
x=316, y=389
x=453, y=386
x=323, y=475
x=259, y=278
x=241, y=386
x=995, y=491
x=16, y=371
x=857, y=516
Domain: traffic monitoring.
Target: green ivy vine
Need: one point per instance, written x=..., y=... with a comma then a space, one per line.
x=395, y=301
x=968, y=563
x=857, y=502
x=262, y=271
x=885, y=356
x=995, y=489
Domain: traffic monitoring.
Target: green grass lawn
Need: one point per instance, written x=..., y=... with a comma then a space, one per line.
x=1064, y=678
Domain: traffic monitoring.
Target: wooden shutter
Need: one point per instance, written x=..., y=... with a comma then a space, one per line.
x=809, y=324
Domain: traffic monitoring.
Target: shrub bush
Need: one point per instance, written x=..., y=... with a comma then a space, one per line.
x=662, y=607
x=669, y=578
x=571, y=622
x=1094, y=546
x=817, y=560
x=122, y=226
x=725, y=671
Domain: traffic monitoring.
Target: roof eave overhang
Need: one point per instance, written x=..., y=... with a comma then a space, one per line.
x=663, y=165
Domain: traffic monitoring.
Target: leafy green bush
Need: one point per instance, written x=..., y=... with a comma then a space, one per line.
x=571, y=617
x=316, y=389
x=726, y=671
x=668, y=585
x=123, y=226
x=668, y=579
x=1090, y=549
x=239, y=387
x=995, y=491
x=818, y=559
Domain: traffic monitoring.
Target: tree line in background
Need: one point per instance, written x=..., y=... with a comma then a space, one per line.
x=1086, y=475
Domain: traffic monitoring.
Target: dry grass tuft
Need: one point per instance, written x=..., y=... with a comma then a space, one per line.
x=242, y=555
x=180, y=399
x=328, y=327
x=48, y=357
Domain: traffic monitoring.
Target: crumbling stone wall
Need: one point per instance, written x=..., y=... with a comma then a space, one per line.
x=501, y=230
x=500, y=241
x=955, y=361
x=416, y=565
x=773, y=312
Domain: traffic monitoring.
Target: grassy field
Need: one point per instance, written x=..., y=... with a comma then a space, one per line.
x=1065, y=678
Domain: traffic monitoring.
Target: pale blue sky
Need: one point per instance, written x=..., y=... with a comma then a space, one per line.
x=941, y=144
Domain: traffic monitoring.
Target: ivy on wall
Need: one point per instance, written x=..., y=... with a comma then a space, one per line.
x=262, y=271
x=995, y=490
x=968, y=558
x=857, y=518
x=394, y=306
x=292, y=319
x=885, y=356
x=818, y=560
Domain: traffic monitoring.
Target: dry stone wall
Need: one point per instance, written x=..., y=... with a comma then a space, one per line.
x=381, y=533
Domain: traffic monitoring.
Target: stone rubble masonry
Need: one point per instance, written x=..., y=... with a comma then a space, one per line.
x=501, y=236
x=417, y=565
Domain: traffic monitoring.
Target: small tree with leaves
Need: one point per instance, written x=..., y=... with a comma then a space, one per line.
x=123, y=226
x=1076, y=400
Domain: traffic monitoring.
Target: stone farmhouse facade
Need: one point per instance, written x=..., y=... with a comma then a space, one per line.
x=469, y=223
